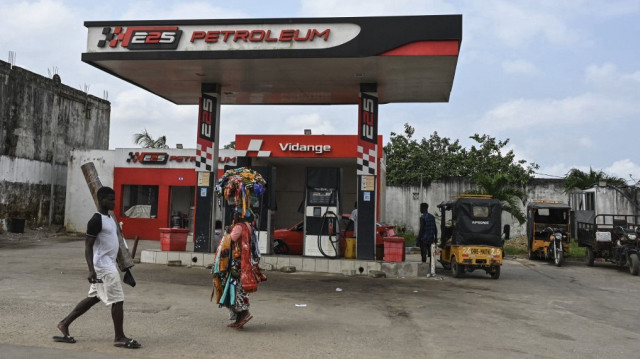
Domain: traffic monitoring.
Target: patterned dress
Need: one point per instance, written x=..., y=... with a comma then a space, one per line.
x=227, y=269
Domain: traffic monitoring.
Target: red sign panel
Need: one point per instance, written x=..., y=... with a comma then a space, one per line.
x=296, y=146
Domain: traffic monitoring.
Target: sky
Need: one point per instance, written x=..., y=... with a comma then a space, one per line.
x=559, y=79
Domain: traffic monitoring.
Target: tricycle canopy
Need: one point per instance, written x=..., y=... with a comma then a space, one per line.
x=473, y=221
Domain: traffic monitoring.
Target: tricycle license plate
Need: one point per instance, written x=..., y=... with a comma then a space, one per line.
x=480, y=251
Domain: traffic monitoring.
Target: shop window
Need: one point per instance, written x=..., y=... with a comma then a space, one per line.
x=140, y=201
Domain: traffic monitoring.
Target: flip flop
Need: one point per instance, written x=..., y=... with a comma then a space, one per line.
x=232, y=325
x=64, y=339
x=244, y=321
x=129, y=344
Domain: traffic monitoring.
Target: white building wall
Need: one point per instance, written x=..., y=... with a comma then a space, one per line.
x=79, y=205
x=403, y=203
x=610, y=201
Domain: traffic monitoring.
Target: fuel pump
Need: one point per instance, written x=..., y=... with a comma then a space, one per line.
x=321, y=212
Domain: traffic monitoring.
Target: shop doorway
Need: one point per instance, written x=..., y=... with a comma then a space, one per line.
x=181, y=207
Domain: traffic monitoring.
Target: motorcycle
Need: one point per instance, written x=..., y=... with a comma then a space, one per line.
x=555, y=249
x=625, y=248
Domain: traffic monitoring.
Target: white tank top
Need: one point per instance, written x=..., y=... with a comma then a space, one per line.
x=105, y=248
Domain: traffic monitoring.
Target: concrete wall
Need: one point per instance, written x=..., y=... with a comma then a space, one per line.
x=79, y=205
x=41, y=121
x=403, y=203
x=606, y=200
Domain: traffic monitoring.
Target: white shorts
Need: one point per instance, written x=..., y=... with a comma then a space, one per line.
x=109, y=291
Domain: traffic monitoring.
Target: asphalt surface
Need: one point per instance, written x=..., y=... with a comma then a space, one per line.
x=535, y=310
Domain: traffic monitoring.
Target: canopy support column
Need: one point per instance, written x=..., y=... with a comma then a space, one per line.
x=207, y=149
x=367, y=170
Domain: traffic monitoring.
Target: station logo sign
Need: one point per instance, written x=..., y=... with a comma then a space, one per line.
x=206, y=123
x=142, y=38
x=368, y=130
x=162, y=158
x=222, y=37
x=148, y=158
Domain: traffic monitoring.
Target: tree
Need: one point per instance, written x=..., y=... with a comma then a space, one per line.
x=145, y=140
x=583, y=180
x=230, y=146
x=500, y=187
x=439, y=157
x=493, y=172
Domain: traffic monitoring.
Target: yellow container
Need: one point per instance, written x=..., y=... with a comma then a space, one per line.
x=350, y=250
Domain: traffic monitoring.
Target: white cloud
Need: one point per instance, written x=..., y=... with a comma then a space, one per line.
x=613, y=95
x=152, y=10
x=524, y=113
x=625, y=169
x=606, y=78
x=516, y=24
x=585, y=142
x=134, y=110
x=517, y=67
x=553, y=171
x=328, y=8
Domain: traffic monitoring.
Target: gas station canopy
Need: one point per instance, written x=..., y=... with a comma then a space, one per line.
x=282, y=61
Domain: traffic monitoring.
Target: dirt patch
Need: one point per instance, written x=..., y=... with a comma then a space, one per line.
x=516, y=246
x=41, y=235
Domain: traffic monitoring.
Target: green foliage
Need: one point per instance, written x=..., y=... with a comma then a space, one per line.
x=494, y=172
x=500, y=187
x=583, y=180
x=409, y=239
x=230, y=146
x=438, y=158
x=145, y=140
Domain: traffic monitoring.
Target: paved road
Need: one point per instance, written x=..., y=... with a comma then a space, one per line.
x=534, y=310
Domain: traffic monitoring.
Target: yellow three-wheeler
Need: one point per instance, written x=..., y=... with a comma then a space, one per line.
x=471, y=235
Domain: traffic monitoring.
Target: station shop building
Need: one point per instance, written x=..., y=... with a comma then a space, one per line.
x=157, y=188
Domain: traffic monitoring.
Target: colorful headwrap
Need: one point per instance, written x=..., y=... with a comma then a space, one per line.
x=238, y=184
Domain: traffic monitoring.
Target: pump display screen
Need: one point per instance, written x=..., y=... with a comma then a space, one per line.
x=321, y=197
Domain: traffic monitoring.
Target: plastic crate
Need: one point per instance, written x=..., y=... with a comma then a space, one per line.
x=173, y=239
x=393, y=249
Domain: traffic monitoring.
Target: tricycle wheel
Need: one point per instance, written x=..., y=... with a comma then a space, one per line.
x=589, y=256
x=496, y=273
x=558, y=257
x=634, y=264
x=456, y=269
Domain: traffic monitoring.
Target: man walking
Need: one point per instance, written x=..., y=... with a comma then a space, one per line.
x=428, y=231
x=101, y=250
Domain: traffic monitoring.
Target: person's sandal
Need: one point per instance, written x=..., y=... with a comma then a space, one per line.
x=247, y=317
x=128, y=344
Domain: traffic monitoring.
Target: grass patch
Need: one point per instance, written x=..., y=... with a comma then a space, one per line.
x=516, y=246
x=575, y=251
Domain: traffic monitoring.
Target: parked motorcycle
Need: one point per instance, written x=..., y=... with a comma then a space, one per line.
x=625, y=248
x=548, y=228
x=555, y=249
